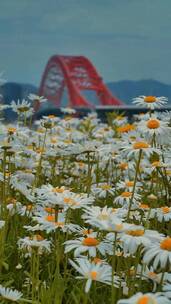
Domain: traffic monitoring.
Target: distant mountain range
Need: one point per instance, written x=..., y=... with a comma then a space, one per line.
x=14, y=91
x=125, y=90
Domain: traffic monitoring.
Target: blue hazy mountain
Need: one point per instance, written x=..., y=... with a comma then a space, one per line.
x=125, y=90
x=14, y=91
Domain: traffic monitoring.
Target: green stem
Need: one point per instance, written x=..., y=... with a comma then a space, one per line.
x=38, y=171
x=113, y=268
x=135, y=181
x=35, y=274
x=27, y=301
x=88, y=174
x=3, y=206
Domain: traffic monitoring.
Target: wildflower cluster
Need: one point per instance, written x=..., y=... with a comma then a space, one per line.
x=85, y=207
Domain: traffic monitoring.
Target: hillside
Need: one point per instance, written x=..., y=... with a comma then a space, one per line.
x=125, y=90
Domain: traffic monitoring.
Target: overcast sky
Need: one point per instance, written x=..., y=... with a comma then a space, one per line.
x=125, y=39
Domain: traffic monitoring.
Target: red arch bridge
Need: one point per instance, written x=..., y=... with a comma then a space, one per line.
x=74, y=77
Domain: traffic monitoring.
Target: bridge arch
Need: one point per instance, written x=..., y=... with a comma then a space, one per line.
x=77, y=74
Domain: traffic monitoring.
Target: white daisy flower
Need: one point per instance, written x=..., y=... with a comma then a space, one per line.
x=130, y=149
x=113, y=224
x=10, y=294
x=120, y=120
x=3, y=106
x=155, y=165
x=76, y=201
x=162, y=213
x=52, y=195
x=102, y=190
x=37, y=98
x=147, y=273
x=20, y=106
x=88, y=244
x=146, y=298
x=96, y=215
x=125, y=197
x=36, y=241
x=167, y=290
x=49, y=222
x=154, y=126
x=94, y=272
x=127, y=184
x=134, y=236
x=159, y=254
x=68, y=110
x=151, y=102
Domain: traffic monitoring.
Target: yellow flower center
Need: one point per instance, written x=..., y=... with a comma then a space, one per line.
x=156, y=164
x=39, y=237
x=107, y=129
x=11, y=200
x=97, y=261
x=103, y=216
x=166, y=244
x=40, y=131
x=140, y=145
x=114, y=210
x=126, y=194
x=144, y=206
x=36, y=237
x=152, y=275
x=106, y=187
x=165, y=209
x=7, y=174
x=93, y=275
x=49, y=210
x=87, y=231
x=129, y=184
x=68, y=141
x=11, y=130
x=40, y=150
x=59, y=224
x=70, y=201
x=58, y=190
x=119, y=227
x=67, y=200
x=119, y=117
x=146, y=300
x=132, y=272
x=29, y=171
x=126, y=128
x=68, y=117
x=50, y=218
x=150, y=99
x=123, y=166
x=153, y=124
x=138, y=232
x=53, y=141
x=81, y=164
x=90, y=241
x=51, y=116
